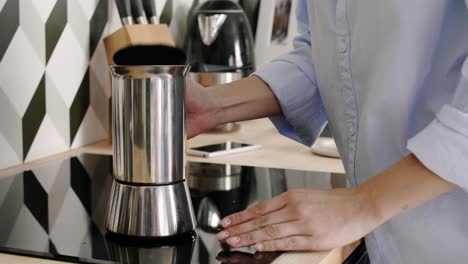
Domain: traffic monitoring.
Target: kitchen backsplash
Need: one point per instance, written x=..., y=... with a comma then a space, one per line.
x=54, y=80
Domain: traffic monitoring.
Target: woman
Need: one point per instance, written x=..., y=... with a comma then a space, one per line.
x=391, y=79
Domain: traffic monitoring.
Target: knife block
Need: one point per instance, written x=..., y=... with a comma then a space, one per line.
x=133, y=35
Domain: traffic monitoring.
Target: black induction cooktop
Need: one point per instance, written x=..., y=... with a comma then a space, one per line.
x=57, y=211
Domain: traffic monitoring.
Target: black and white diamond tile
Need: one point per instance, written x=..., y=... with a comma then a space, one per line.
x=35, y=199
x=80, y=183
x=49, y=208
x=59, y=180
x=19, y=77
x=54, y=25
x=34, y=116
x=9, y=21
x=68, y=240
x=27, y=233
x=12, y=202
x=54, y=79
x=54, y=87
x=97, y=23
x=10, y=133
x=30, y=18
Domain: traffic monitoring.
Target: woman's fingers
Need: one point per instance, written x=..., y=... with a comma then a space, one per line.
x=316, y=220
x=291, y=243
x=276, y=217
x=258, y=210
x=268, y=233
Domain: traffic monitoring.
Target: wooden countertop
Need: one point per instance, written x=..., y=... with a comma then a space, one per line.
x=277, y=152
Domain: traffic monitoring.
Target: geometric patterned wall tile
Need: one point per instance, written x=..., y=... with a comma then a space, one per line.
x=114, y=22
x=19, y=78
x=100, y=200
x=97, y=24
x=78, y=22
x=58, y=192
x=91, y=130
x=2, y=3
x=9, y=22
x=44, y=8
x=11, y=142
x=86, y=249
x=27, y=233
x=100, y=77
x=70, y=55
x=47, y=141
x=33, y=116
x=35, y=199
x=80, y=183
x=52, y=249
x=54, y=198
x=55, y=25
x=8, y=156
x=99, y=92
x=100, y=172
x=98, y=169
x=62, y=38
x=100, y=105
x=5, y=185
x=90, y=163
x=12, y=203
x=33, y=26
x=79, y=106
x=47, y=175
x=67, y=240
x=99, y=70
x=88, y=7
x=57, y=111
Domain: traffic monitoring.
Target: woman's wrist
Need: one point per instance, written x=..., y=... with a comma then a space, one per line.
x=373, y=215
x=215, y=108
x=403, y=186
x=369, y=215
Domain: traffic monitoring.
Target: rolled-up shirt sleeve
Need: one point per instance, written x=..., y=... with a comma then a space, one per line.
x=443, y=145
x=292, y=79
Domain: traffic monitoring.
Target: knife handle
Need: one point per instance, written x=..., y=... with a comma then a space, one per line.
x=166, y=14
x=125, y=11
x=138, y=12
x=151, y=11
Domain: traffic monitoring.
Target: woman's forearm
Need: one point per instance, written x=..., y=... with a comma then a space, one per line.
x=403, y=186
x=245, y=99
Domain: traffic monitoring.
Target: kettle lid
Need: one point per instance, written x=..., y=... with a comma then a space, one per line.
x=220, y=6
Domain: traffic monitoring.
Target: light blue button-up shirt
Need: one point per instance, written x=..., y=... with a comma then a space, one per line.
x=391, y=78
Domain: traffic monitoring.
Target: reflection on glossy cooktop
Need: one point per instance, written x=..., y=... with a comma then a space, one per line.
x=58, y=210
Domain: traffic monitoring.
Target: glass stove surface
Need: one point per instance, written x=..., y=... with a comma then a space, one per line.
x=58, y=211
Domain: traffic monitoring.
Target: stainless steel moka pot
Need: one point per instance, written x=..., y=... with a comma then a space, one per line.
x=149, y=196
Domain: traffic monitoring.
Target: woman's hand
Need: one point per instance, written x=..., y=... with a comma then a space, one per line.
x=304, y=219
x=201, y=109
x=310, y=219
x=244, y=99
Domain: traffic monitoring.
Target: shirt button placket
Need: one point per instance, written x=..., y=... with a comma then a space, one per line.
x=342, y=45
x=344, y=68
